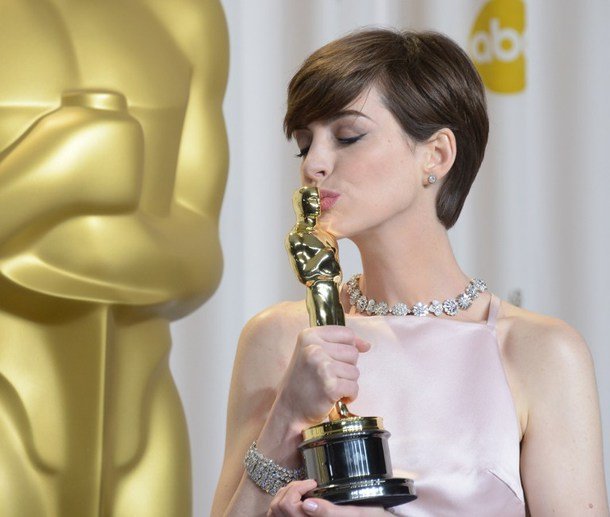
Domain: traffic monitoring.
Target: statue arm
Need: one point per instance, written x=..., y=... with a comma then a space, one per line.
x=54, y=168
x=308, y=262
x=320, y=263
x=192, y=270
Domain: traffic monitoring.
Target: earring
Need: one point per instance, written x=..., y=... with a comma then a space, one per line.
x=431, y=179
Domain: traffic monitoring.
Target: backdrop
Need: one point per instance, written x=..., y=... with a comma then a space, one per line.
x=535, y=224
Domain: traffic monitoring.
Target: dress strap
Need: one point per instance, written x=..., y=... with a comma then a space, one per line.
x=494, y=308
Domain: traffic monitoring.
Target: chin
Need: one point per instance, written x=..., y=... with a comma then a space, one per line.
x=334, y=227
x=326, y=223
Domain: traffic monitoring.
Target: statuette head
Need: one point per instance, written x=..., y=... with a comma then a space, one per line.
x=306, y=202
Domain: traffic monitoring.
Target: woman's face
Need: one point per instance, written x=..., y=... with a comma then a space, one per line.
x=368, y=171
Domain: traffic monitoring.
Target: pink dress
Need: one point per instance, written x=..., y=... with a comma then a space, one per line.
x=440, y=386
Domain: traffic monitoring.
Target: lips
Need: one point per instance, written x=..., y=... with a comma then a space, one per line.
x=327, y=199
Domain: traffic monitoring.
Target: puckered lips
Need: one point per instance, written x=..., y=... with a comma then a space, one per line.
x=327, y=199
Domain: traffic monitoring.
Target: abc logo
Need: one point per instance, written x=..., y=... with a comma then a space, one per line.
x=497, y=45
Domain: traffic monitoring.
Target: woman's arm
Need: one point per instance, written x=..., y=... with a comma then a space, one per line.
x=561, y=457
x=260, y=362
x=284, y=379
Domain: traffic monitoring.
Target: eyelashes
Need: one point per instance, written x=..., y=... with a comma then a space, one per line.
x=351, y=140
x=302, y=152
x=342, y=141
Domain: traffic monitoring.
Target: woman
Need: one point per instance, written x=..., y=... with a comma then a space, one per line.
x=493, y=409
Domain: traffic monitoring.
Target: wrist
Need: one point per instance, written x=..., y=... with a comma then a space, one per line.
x=267, y=474
x=281, y=435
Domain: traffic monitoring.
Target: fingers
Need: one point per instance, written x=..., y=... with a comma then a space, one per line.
x=322, y=508
x=346, y=371
x=332, y=334
x=322, y=371
x=287, y=502
x=341, y=389
x=341, y=352
x=328, y=357
x=362, y=345
x=335, y=363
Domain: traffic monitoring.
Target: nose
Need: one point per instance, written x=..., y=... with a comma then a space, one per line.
x=316, y=166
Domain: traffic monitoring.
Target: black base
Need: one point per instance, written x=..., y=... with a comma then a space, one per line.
x=368, y=492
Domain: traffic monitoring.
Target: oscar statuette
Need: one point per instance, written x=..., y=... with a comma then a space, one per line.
x=348, y=455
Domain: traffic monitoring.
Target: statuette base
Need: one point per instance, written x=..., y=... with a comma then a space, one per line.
x=368, y=492
x=350, y=460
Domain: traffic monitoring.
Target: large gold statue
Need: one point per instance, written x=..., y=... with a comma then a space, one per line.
x=112, y=168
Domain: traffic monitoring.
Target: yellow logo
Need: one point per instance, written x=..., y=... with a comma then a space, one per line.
x=497, y=45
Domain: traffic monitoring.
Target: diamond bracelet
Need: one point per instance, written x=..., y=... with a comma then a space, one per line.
x=268, y=475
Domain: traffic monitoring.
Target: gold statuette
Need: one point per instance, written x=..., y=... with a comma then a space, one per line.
x=314, y=258
x=348, y=456
x=113, y=161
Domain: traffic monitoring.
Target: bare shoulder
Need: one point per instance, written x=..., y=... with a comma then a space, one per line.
x=538, y=341
x=544, y=358
x=276, y=324
x=268, y=339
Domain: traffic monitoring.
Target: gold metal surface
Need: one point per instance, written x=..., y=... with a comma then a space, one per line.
x=343, y=426
x=340, y=410
x=112, y=168
x=337, y=453
x=313, y=255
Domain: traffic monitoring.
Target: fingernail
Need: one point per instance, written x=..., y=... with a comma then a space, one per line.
x=310, y=506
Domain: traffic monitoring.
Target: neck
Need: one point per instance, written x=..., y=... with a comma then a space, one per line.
x=409, y=263
x=308, y=221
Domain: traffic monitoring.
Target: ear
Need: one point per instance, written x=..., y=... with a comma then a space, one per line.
x=439, y=154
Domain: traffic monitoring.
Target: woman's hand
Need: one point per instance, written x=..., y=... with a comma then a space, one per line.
x=287, y=503
x=322, y=371
x=279, y=387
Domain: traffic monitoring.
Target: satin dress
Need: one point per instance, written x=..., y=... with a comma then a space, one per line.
x=440, y=386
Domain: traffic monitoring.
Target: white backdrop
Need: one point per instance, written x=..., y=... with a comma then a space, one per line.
x=536, y=221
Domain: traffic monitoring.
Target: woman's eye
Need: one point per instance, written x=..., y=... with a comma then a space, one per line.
x=302, y=152
x=343, y=141
x=350, y=140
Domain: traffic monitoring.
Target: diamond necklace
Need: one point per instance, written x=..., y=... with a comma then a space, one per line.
x=449, y=306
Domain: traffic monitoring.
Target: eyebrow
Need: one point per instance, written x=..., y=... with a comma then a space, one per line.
x=338, y=115
x=346, y=113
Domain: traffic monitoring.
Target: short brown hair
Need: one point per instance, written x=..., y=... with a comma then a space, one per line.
x=427, y=82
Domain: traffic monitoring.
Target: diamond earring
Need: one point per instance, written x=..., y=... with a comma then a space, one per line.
x=431, y=179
